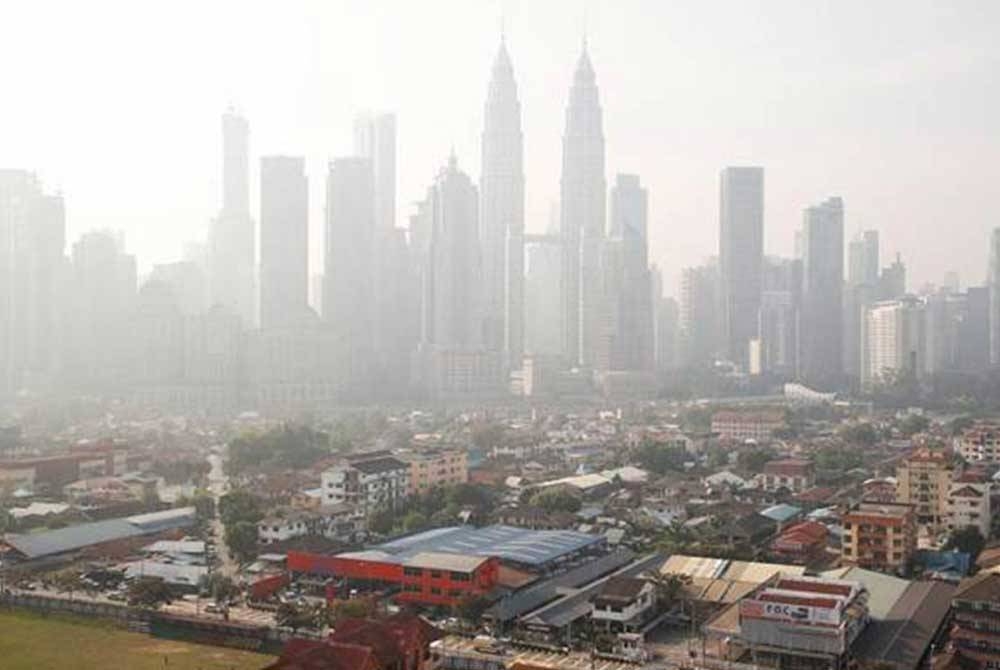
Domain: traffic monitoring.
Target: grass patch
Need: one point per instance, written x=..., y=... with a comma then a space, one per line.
x=31, y=641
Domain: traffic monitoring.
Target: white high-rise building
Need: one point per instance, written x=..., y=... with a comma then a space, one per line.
x=501, y=215
x=893, y=342
x=741, y=258
x=284, y=242
x=349, y=273
x=32, y=278
x=993, y=281
x=231, y=240
x=583, y=212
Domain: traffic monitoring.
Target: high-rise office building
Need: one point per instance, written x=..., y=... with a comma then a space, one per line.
x=349, y=274
x=501, y=214
x=284, y=242
x=454, y=280
x=777, y=342
x=892, y=282
x=993, y=284
x=232, y=244
x=187, y=282
x=543, y=336
x=699, y=323
x=863, y=259
x=741, y=257
x=630, y=303
x=894, y=341
x=861, y=290
x=32, y=281
x=375, y=140
x=822, y=293
x=394, y=330
x=583, y=190
x=452, y=357
x=103, y=298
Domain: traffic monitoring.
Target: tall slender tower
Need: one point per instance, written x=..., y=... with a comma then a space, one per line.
x=501, y=222
x=284, y=241
x=231, y=239
x=583, y=194
x=741, y=257
x=822, y=293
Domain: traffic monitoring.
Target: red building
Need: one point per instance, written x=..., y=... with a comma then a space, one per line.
x=801, y=543
x=400, y=642
x=427, y=578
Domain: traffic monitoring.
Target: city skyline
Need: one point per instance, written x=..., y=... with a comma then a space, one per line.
x=677, y=155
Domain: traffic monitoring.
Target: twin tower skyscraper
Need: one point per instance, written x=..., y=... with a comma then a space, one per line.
x=443, y=301
x=583, y=208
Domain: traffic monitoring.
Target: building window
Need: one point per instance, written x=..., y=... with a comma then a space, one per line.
x=413, y=572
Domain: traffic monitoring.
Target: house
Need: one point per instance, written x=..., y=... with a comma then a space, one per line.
x=969, y=503
x=724, y=479
x=975, y=632
x=624, y=605
x=400, y=642
x=794, y=474
x=801, y=543
x=879, y=489
x=752, y=529
x=367, y=480
x=335, y=522
x=740, y=426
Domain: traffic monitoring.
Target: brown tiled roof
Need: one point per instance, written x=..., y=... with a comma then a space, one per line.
x=620, y=590
x=982, y=587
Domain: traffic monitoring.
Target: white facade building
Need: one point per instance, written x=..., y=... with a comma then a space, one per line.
x=892, y=341
x=367, y=481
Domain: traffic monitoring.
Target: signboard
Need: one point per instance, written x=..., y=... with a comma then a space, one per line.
x=758, y=609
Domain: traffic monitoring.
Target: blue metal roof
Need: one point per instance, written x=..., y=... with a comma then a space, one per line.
x=782, y=512
x=518, y=545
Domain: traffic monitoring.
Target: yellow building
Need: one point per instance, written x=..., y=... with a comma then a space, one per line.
x=923, y=479
x=435, y=467
x=879, y=536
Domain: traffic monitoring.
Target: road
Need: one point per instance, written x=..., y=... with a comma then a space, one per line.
x=218, y=485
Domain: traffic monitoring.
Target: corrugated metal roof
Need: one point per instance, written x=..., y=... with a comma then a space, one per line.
x=694, y=566
x=884, y=590
x=518, y=545
x=72, y=538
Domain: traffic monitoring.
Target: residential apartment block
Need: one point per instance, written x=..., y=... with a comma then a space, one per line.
x=879, y=536
x=924, y=479
x=367, y=480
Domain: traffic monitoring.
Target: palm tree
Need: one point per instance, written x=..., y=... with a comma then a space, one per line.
x=669, y=587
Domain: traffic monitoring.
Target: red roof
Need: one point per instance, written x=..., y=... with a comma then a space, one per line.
x=361, y=644
x=788, y=467
x=805, y=533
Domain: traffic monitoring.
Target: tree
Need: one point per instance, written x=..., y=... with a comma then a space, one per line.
x=68, y=581
x=381, y=520
x=487, y=435
x=753, y=460
x=668, y=587
x=240, y=505
x=471, y=609
x=862, y=434
x=241, y=538
x=148, y=592
x=222, y=589
x=414, y=521
x=660, y=458
x=968, y=540
x=289, y=615
x=913, y=424
x=555, y=500
x=355, y=608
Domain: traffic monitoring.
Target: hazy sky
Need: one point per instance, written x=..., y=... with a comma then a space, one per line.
x=892, y=104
